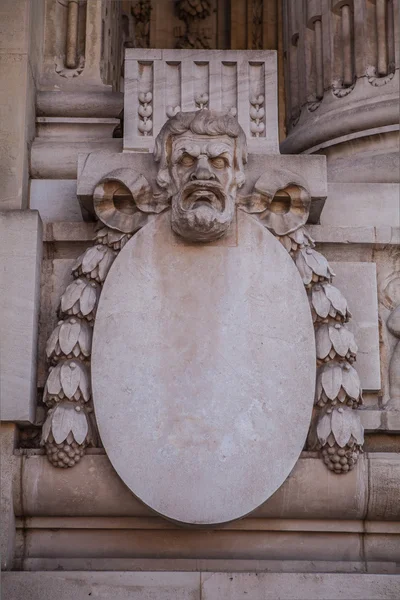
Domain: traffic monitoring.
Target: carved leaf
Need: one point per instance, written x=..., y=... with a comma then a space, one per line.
x=320, y=302
x=46, y=428
x=92, y=257
x=105, y=263
x=357, y=430
x=71, y=294
x=70, y=377
x=351, y=382
x=85, y=338
x=323, y=342
x=317, y=263
x=339, y=341
x=79, y=426
x=88, y=299
x=304, y=269
x=53, y=385
x=324, y=428
x=336, y=297
x=331, y=379
x=84, y=383
x=68, y=335
x=63, y=419
x=341, y=426
x=53, y=340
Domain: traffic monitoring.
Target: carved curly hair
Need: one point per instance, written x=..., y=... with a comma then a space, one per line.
x=201, y=122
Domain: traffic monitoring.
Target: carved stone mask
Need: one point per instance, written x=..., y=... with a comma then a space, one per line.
x=202, y=171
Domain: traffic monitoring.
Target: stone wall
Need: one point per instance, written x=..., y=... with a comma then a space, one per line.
x=64, y=98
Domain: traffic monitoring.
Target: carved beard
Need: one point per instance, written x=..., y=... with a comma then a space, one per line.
x=202, y=211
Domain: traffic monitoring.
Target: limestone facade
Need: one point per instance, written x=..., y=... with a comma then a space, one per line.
x=89, y=86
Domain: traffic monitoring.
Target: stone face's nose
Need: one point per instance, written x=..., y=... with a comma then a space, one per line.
x=203, y=171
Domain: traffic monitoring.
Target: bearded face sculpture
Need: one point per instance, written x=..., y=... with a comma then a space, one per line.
x=202, y=157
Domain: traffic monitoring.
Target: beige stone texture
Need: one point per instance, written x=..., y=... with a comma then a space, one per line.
x=272, y=586
x=196, y=586
x=7, y=471
x=21, y=256
x=209, y=370
x=362, y=205
x=20, y=45
x=358, y=281
x=56, y=200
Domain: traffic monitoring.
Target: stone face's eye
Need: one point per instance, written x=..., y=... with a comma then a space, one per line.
x=186, y=160
x=219, y=162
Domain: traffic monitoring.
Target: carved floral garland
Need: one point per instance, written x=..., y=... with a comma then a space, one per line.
x=336, y=429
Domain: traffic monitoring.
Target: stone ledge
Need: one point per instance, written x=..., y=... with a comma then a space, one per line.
x=93, y=489
x=67, y=231
x=196, y=585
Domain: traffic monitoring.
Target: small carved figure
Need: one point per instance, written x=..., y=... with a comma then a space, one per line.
x=201, y=175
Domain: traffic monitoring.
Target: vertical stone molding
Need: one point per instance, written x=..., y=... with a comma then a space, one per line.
x=342, y=84
x=82, y=44
x=20, y=266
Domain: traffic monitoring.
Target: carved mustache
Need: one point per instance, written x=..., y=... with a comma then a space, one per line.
x=203, y=192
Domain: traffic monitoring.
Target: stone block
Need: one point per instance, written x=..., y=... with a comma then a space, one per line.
x=362, y=204
x=55, y=199
x=296, y=586
x=357, y=282
x=219, y=80
x=7, y=529
x=103, y=586
x=21, y=257
x=14, y=69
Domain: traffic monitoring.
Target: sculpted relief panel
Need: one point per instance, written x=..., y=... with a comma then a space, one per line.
x=214, y=320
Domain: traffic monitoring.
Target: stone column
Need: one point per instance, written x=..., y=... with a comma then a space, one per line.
x=342, y=85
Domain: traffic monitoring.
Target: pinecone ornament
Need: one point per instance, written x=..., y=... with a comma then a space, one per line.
x=340, y=460
x=65, y=434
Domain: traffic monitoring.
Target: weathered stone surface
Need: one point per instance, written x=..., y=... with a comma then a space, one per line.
x=8, y=433
x=361, y=205
x=357, y=282
x=21, y=255
x=119, y=586
x=55, y=199
x=203, y=370
x=293, y=586
x=193, y=586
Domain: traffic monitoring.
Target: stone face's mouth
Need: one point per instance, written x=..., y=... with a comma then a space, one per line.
x=203, y=194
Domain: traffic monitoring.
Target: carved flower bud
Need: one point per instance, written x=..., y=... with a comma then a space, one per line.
x=68, y=380
x=80, y=299
x=328, y=302
x=95, y=263
x=335, y=341
x=313, y=267
x=65, y=434
x=340, y=436
x=338, y=383
x=296, y=240
x=71, y=338
x=112, y=238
